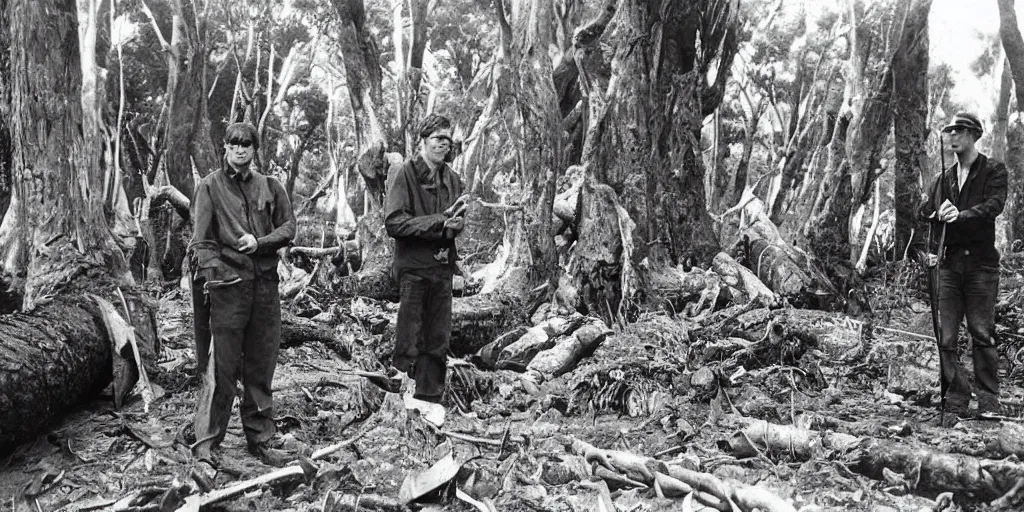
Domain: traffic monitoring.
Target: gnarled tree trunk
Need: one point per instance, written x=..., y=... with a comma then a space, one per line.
x=58, y=219
x=642, y=146
x=910, y=76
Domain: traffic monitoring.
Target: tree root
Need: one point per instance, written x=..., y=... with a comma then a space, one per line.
x=672, y=480
x=925, y=470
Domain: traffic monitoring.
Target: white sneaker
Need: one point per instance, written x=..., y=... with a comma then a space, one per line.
x=433, y=413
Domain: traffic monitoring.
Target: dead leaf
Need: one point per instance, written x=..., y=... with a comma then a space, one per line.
x=417, y=485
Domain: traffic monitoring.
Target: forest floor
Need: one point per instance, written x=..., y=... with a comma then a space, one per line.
x=512, y=445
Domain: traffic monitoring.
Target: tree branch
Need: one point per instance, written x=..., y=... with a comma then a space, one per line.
x=156, y=28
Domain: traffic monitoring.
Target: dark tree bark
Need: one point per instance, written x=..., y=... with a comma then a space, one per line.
x=6, y=149
x=1013, y=45
x=1001, y=117
x=414, y=73
x=910, y=80
x=186, y=125
x=363, y=78
x=65, y=244
x=642, y=146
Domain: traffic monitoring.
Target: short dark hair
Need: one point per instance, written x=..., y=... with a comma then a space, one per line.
x=433, y=123
x=240, y=133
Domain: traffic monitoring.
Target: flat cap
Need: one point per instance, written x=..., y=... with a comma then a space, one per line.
x=966, y=121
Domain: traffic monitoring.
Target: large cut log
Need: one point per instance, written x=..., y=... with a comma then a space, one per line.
x=50, y=361
x=517, y=355
x=923, y=468
x=568, y=350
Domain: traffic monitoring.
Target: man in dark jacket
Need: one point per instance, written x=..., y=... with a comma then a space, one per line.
x=241, y=219
x=424, y=214
x=968, y=197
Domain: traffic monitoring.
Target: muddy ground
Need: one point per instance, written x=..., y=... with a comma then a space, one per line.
x=512, y=442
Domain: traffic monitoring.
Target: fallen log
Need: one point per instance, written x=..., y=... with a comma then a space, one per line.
x=568, y=350
x=518, y=354
x=374, y=283
x=51, y=360
x=924, y=468
x=296, y=330
x=653, y=472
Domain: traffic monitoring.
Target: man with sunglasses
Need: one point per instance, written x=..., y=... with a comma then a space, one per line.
x=241, y=218
x=967, y=197
x=424, y=213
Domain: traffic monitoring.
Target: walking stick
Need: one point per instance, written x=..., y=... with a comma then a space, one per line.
x=933, y=283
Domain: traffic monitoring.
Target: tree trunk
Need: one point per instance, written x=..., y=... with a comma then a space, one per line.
x=362, y=70
x=910, y=77
x=1000, y=123
x=187, y=126
x=649, y=119
x=541, y=159
x=1001, y=117
x=414, y=73
x=1014, y=209
x=63, y=341
x=6, y=144
x=1013, y=45
x=53, y=111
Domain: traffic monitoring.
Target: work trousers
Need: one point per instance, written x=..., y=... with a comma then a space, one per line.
x=968, y=288
x=244, y=336
x=424, y=328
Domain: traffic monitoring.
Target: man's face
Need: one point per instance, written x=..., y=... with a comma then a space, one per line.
x=959, y=139
x=239, y=153
x=436, y=145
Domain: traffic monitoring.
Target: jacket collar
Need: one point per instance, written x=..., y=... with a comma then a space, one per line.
x=424, y=174
x=244, y=175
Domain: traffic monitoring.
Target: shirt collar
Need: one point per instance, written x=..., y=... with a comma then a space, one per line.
x=423, y=171
x=243, y=175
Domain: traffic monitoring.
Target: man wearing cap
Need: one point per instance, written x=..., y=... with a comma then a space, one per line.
x=968, y=197
x=424, y=214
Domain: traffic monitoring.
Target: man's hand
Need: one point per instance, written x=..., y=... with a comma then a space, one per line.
x=948, y=212
x=458, y=207
x=455, y=223
x=247, y=244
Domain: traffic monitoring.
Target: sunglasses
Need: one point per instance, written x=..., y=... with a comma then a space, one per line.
x=241, y=143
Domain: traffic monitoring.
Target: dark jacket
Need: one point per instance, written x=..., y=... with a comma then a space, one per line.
x=414, y=215
x=227, y=207
x=980, y=201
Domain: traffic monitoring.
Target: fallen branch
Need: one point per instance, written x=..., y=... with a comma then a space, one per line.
x=924, y=468
x=677, y=480
x=305, y=468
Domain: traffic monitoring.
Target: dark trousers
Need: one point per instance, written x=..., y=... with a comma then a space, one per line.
x=968, y=288
x=424, y=328
x=245, y=336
